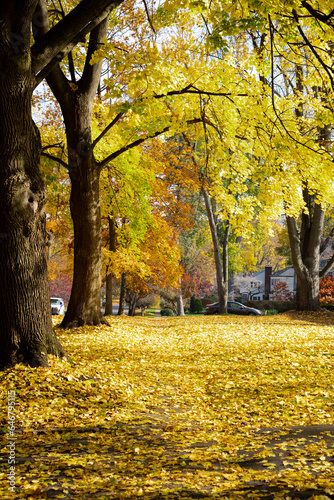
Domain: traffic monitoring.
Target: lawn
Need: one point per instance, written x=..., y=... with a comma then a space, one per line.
x=224, y=407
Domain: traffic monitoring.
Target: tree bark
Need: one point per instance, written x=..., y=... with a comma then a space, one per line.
x=305, y=251
x=221, y=276
x=180, y=306
x=109, y=292
x=133, y=298
x=122, y=295
x=76, y=101
x=26, y=332
x=109, y=279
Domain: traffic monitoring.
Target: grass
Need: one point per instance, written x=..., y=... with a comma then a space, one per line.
x=178, y=407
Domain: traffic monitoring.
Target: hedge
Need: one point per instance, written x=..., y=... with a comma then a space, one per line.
x=280, y=306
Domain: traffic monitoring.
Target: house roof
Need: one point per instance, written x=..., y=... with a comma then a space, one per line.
x=288, y=271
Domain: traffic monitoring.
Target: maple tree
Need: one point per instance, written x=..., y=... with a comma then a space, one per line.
x=281, y=291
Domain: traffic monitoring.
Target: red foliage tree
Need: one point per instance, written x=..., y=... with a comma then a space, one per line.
x=326, y=290
x=281, y=291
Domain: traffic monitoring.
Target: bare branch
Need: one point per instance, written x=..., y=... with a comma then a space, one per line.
x=148, y=17
x=54, y=158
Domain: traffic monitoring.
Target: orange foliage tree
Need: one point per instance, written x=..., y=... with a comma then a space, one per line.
x=326, y=291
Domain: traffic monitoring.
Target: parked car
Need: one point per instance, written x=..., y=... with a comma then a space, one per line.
x=57, y=305
x=233, y=308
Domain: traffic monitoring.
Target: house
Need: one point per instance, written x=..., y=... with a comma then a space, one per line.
x=289, y=277
x=260, y=285
x=256, y=286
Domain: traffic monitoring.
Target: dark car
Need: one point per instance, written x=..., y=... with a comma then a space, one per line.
x=233, y=308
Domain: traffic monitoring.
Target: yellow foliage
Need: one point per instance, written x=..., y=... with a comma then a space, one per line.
x=177, y=404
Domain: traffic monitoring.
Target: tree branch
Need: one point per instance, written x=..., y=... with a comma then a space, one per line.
x=312, y=49
x=148, y=17
x=317, y=14
x=54, y=45
x=187, y=90
x=133, y=144
x=92, y=72
x=327, y=267
x=106, y=130
x=54, y=158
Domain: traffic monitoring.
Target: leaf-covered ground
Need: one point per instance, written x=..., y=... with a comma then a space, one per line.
x=203, y=407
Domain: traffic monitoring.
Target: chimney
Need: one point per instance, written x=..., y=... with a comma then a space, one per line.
x=267, y=274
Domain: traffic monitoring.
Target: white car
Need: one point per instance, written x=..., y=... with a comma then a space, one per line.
x=57, y=305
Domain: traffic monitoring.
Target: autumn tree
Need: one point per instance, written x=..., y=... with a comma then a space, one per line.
x=281, y=291
x=326, y=291
x=293, y=50
x=26, y=327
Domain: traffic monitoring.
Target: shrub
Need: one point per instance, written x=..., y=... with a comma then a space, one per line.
x=281, y=306
x=271, y=312
x=166, y=312
x=196, y=305
x=326, y=291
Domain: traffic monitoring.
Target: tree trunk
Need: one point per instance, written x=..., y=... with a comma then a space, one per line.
x=109, y=287
x=305, y=250
x=221, y=283
x=133, y=299
x=84, y=307
x=109, y=280
x=26, y=332
x=76, y=100
x=122, y=295
x=180, y=307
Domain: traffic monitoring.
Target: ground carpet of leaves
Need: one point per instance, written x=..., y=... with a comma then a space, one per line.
x=220, y=407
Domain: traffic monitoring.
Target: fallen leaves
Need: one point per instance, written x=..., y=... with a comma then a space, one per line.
x=181, y=406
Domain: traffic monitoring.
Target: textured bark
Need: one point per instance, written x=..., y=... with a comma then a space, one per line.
x=76, y=102
x=26, y=332
x=84, y=305
x=222, y=283
x=305, y=251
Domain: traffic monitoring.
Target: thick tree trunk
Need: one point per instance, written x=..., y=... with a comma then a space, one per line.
x=76, y=101
x=26, y=332
x=122, y=295
x=305, y=251
x=221, y=281
x=84, y=307
x=180, y=306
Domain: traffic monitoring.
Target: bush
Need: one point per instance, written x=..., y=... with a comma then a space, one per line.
x=280, y=306
x=196, y=306
x=271, y=312
x=166, y=312
x=328, y=307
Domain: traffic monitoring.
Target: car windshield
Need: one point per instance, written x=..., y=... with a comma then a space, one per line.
x=55, y=301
